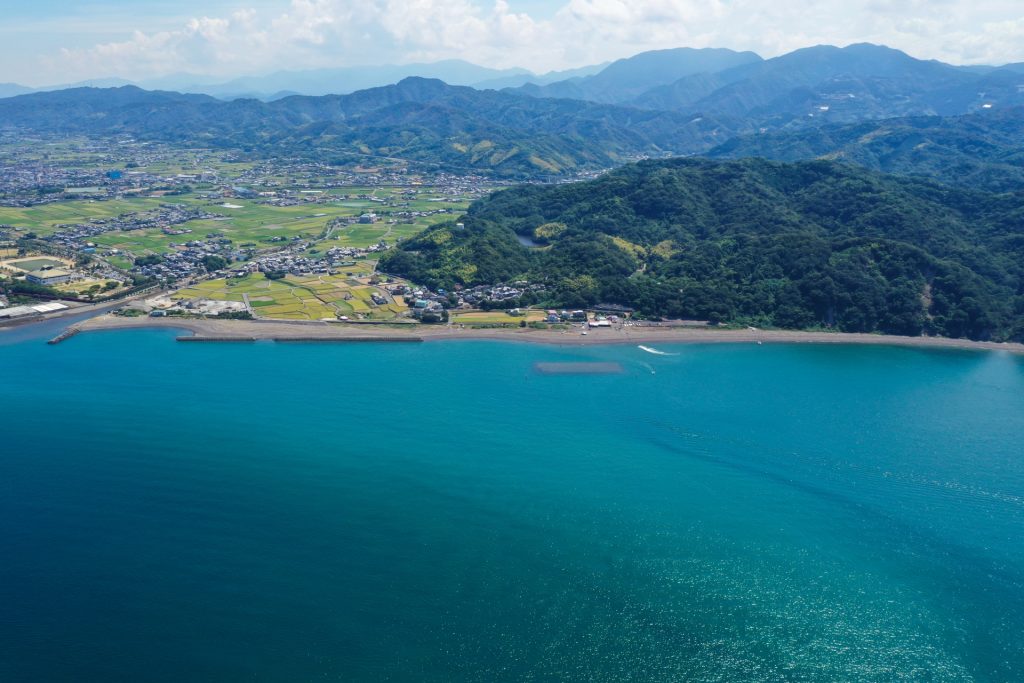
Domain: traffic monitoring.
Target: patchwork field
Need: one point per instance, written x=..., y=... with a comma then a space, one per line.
x=43, y=219
x=243, y=221
x=299, y=298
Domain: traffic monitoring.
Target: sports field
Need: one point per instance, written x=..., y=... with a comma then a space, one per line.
x=29, y=265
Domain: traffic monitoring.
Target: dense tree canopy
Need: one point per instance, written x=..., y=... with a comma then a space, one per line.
x=812, y=244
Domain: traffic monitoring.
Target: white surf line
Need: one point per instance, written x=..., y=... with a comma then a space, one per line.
x=656, y=352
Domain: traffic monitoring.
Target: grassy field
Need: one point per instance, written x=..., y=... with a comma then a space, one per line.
x=30, y=264
x=496, y=318
x=298, y=298
x=82, y=287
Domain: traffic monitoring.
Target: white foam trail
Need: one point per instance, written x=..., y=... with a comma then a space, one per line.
x=656, y=352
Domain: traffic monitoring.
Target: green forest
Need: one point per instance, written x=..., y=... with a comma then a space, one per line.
x=803, y=245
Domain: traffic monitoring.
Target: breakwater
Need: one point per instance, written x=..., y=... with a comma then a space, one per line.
x=192, y=338
x=299, y=339
x=66, y=334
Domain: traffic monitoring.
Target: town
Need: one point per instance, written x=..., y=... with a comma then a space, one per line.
x=195, y=232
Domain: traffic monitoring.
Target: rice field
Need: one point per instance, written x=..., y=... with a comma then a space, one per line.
x=44, y=219
x=297, y=298
x=496, y=318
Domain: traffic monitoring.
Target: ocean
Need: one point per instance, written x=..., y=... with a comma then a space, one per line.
x=447, y=512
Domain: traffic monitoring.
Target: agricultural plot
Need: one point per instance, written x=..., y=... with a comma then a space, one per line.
x=139, y=242
x=242, y=221
x=44, y=219
x=496, y=318
x=292, y=298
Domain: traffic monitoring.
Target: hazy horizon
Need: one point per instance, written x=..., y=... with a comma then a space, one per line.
x=54, y=42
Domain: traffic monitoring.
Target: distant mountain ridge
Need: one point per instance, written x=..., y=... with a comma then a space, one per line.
x=326, y=81
x=13, y=90
x=539, y=79
x=803, y=89
x=628, y=78
x=346, y=80
x=809, y=103
x=983, y=150
x=418, y=119
x=858, y=81
x=807, y=87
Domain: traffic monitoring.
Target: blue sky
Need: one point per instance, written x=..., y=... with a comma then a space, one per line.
x=58, y=41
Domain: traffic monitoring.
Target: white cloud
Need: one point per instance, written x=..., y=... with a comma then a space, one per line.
x=317, y=33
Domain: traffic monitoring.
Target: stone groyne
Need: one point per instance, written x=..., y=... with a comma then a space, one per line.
x=66, y=334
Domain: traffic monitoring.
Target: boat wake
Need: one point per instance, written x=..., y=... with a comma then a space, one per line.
x=656, y=352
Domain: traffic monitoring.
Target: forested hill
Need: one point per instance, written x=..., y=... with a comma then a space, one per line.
x=418, y=119
x=984, y=150
x=792, y=245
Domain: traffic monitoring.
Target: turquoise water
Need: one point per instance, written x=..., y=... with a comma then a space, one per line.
x=441, y=512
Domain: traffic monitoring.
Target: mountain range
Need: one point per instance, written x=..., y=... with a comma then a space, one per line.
x=677, y=78
x=626, y=79
x=328, y=81
x=958, y=124
x=417, y=119
x=983, y=150
x=827, y=84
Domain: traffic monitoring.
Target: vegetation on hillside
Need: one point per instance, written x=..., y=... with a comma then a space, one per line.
x=984, y=150
x=457, y=128
x=805, y=245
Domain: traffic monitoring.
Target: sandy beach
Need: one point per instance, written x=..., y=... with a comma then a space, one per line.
x=245, y=330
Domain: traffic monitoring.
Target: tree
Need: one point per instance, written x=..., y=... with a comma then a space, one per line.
x=212, y=263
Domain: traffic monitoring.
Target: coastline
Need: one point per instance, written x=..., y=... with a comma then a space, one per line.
x=248, y=330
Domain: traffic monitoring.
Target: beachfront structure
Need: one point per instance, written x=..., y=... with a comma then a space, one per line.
x=21, y=311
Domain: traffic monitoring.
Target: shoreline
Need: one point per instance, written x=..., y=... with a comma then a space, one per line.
x=248, y=330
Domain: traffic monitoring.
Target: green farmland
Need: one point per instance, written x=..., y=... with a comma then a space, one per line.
x=44, y=219
x=242, y=221
x=299, y=298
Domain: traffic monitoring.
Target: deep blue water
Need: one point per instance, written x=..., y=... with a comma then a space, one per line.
x=441, y=512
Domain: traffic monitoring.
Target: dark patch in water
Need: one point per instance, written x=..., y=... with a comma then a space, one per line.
x=578, y=368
